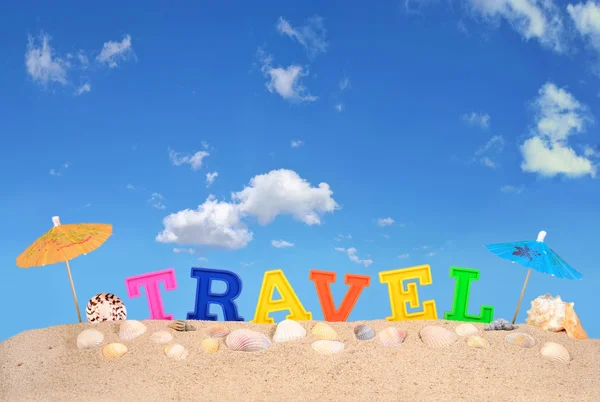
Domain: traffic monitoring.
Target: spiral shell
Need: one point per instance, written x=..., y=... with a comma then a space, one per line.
x=553, y=314
x=392, y=336
x=89, y=338
x=364, y=332
x=176, y=352
x=131, y=329
x=181, y=326
x=161, y=337
x=211, y=345
x=217, y=331
x=114, y=350
x=477, y=342
x=437, y=337
x=466, y=329
x=105, y=307
x=288, y=330
x=327, y=347
x=520, y=339
x=324, y=331
x=555, y=351
x=246, y=340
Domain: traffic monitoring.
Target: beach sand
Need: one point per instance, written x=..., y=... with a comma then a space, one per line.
x=45, y=365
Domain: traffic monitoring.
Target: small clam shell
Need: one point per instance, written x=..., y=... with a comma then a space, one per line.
x=161, y=337
x=89, y=338
x=364, y=332
x=182, y=326
x=477, y=342
x=288, y=330
x=114, y=350
x=392, y=336
x=217, y=331
x=131, y=329
x=324, y=332
x=176, y=352
x=327, y=347
x=466, y=329
x=555, y=351
x=211, y=345
x=520, y=339
x=437, y=337
x=246, y=340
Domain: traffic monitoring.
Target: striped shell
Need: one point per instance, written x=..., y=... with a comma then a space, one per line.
x=114, y=350
x=131, y=329
x=392, y=336
x=288, y=330
x=182, y=326
x=555, y=351
x=466, y=329
x=217, y=331
x=161, y=337
x=246, y=340
x=520, y=339
x=176, y=352
x=327, y=347
x=364, y=332
x=211, y=345
x=89, y=338
x=105, y=307
x=437, y=337
x=324, y=332
x=477, y=342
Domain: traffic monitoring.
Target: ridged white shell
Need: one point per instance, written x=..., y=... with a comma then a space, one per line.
x=392, y=336
x=288, y=330
x=131, y=329
x=89, y=338
x=555, y=351
x=437, y=337
x=246, y=340
x=176, y=352
x=466, y=329
x=520, y=339
x=105, y=307
x=324, y=332
x=211, y=345
x=327, y=347
x=217, y=331
x=161, y=337
x=114, y=350
x=477, y=342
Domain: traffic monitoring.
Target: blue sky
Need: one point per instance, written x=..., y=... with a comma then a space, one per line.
x=358, y=139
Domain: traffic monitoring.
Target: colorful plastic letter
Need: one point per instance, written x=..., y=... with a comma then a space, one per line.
x=400, y=296
x=150, y=281
x=204, y=295
x=289, y=301
x=322, y=279
x=462, y=291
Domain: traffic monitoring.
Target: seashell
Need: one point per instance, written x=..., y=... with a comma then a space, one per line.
x=437, y=337
x=161, y=337
x=553, y=314
x=324, y=332
x=211, y=345
x=555, y=351
x=246, y=340
x=217, y=331
x=288, y=330
x=89, y=338
x=105, y=307
x=182, y=326
x=466, y=329
x=364, y=332
x=131, y=329
x=327, y=347
x=114, y=350
x=176, y=352
x=499, y=324
x=520, y=339
x=392, y=336
x=477, y=342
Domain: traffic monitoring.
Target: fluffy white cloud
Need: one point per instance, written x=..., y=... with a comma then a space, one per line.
x=210, y=178
x=114, y=52
x=195, y=160
x=297, y=143
x=351, y=252
x=83, y=89
x=41, y=63
x=381, y=222
x=285, y=81
x=281, y=244
x=477, y=119
x=586, y=17
x=311, y=36
x=547, y=153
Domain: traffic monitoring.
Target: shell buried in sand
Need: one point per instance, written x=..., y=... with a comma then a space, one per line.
x=131, y=329
x=437, y=337
x=288, y=330
x=217, y=331
x=161, y=337
x=105, y=307
x=176, y=352
x=211, y=345
x=324, y=331
x=114, y=350
x=327, y=347
x=466, y=329
x=89, y=338
x=555, y=351
x=246, y=340
x=392, y=336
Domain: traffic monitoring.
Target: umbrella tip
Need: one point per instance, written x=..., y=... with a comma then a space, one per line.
x=541, y=236
x=56, y=221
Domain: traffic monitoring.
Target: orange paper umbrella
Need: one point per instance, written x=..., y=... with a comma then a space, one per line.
x=63, y=243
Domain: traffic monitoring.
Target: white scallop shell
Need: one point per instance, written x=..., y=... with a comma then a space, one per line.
x=161, y=337
x=131, y=329
x=437, y=337
x=176, y=352
x=327, y=347
x=246, y=340
x=324, y=331
x=114, y=350
x=288, y=330
x=555, y=351
x=89, y=338
x=466, y=329
x=105, y=307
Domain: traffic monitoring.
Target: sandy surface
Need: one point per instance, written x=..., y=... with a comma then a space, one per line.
x=45, y=365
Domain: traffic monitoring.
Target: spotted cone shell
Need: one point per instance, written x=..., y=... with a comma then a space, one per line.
x=288, y=330
x=89, y=338
x=466, y=329
x=476, y=341
x=246, y=340
x=114, y=350
x=176, y=352
x=520, y=339
x=211, y=345
x=217, y=331
x=161, y=337
x=327, y=347
x=131, y=329
x=555, y=351
x=437, y=337
x=105, y=307
x=324, y=331
x=392, y=336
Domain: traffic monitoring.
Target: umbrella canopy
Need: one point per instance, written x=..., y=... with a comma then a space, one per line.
x=63, y=243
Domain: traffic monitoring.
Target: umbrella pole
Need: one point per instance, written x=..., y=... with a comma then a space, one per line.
x=521, y=297
x=73, y=289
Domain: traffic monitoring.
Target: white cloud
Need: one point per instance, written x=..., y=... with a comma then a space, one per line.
x=287, y=82
x=83, y=89
x=381, y=222
x=195, y=160
x=548, y=153
x=53, y=172
x=210, y=178
x=586, y=18
x=130, y=187
x=204, y=259
x=403, y=256
x=512, y=189
x=114, y=52
x=487, y=162
x=156, y=201
x=494, y=144
x=297, y=143
x=311, y=36
x=339, y=107
x=281, y=244
x=353, y=257
x=431, y=254
x=344, y=83
x=341, y=237
x=477, y=119
x=178, y=250
x=42, y=65
x=59, y=171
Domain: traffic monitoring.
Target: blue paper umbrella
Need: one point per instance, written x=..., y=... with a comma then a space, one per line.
x=534, y=255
